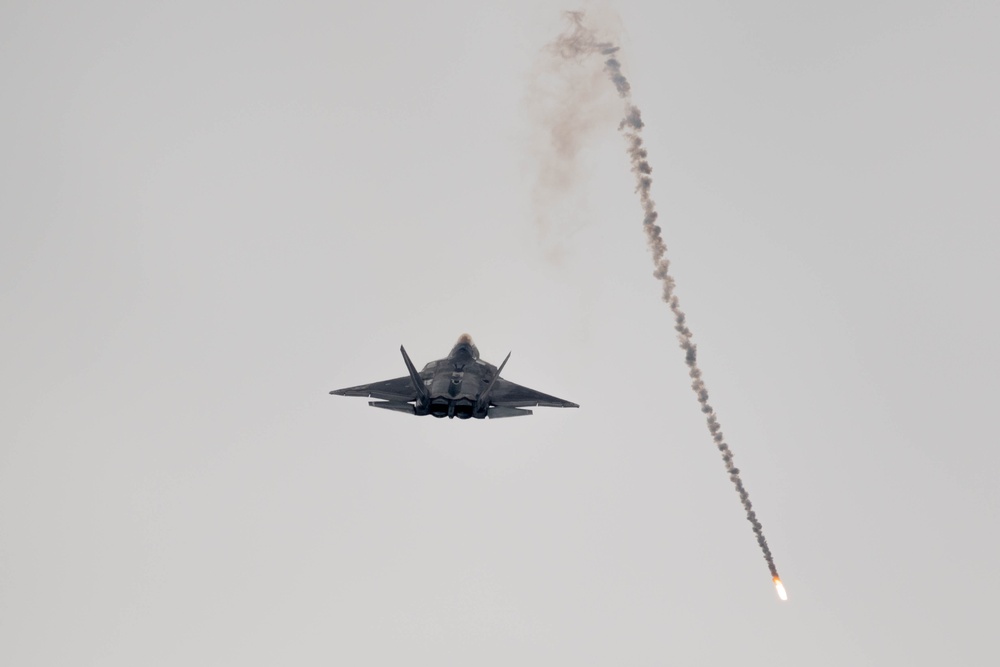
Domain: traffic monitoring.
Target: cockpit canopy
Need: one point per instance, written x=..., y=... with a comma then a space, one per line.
x=465, y=347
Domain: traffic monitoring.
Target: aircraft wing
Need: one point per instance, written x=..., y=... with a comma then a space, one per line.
x=508, y=394
x=397, y=389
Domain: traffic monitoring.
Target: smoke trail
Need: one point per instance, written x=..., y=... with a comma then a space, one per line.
x=581, y=42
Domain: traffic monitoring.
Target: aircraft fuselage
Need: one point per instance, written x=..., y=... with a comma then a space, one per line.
x=455, y=384
x=460, y=385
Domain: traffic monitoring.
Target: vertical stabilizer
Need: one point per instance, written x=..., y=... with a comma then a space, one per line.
x=483, y=401
x=423, y=396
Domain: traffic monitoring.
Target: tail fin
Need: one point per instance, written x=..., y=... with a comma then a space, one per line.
x=484, y=398
x=423, y=396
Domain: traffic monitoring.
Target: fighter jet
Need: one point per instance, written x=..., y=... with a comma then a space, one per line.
x=460, y=385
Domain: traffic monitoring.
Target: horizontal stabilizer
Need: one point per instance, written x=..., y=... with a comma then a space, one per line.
x=393, y=405
x=499, y=412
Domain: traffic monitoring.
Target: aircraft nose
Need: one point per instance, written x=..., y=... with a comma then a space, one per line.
x=465, y=346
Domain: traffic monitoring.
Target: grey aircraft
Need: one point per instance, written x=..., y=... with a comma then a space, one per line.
x=460, y=385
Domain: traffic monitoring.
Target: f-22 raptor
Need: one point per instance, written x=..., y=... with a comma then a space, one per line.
x=460, y=385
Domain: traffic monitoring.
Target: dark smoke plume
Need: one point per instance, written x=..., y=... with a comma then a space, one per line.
x=581, y=42
x=569, y=106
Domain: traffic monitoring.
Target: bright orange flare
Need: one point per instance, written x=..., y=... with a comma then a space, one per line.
x=780, y=588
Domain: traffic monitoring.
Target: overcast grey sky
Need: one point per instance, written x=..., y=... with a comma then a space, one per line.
x=213, y=213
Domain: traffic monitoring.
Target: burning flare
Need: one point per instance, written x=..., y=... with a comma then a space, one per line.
x=778, y=586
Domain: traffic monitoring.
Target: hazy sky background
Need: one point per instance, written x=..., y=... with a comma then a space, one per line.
x=212, y=213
